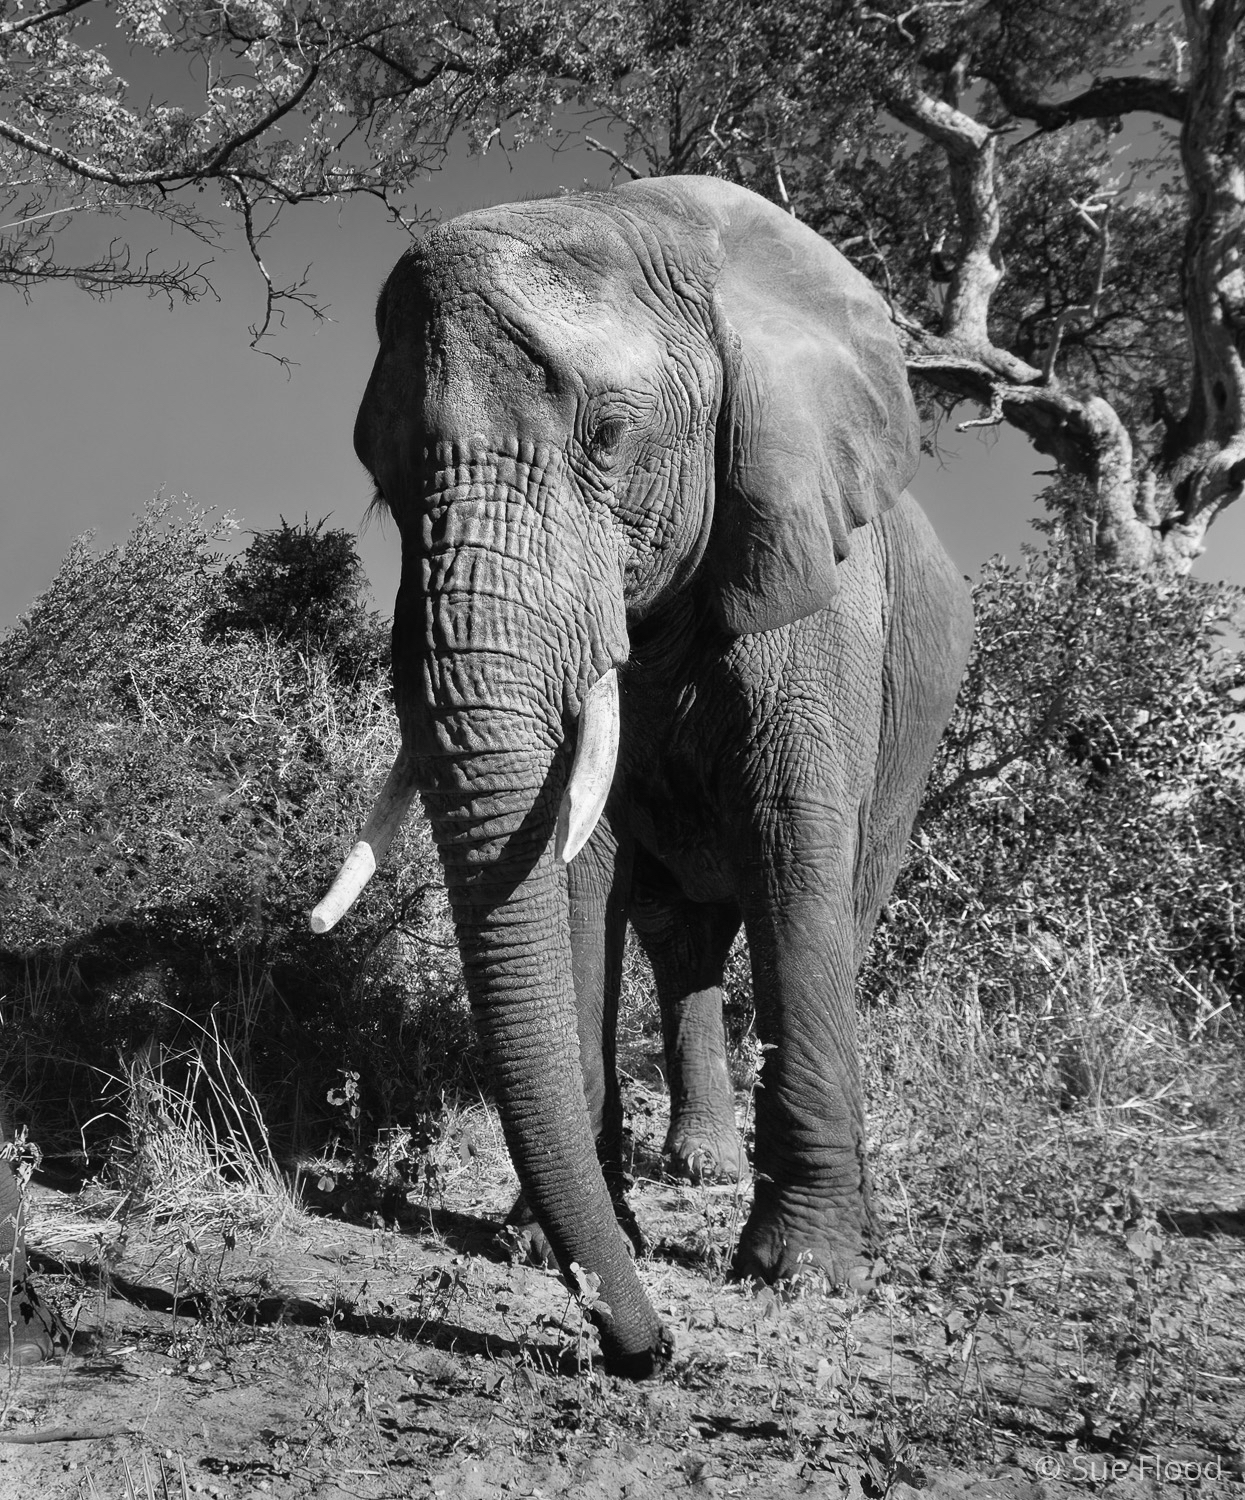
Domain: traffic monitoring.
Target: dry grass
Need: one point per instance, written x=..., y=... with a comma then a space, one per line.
x=195, y=1160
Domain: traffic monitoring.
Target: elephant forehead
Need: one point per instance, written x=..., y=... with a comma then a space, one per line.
x=556, y=275
x=529, y=336
x=560, y=239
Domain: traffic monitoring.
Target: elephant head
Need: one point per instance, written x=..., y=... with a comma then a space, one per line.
x=584, y=412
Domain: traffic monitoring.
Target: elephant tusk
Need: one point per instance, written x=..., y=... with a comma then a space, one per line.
x=378, y=833
x=592, y=770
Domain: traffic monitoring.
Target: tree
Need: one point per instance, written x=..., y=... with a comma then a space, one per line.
x=290, y=103
x=969, y=156
x=980, y=160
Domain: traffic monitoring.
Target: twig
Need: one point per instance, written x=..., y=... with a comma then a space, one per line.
x=782, y=190
x=66, y=1435
x=1081, y=309
x=619, y=161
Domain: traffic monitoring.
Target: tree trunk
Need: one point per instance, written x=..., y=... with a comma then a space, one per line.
x=1148, y=512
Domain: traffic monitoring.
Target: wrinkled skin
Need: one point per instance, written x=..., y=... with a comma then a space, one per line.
x=665, y=429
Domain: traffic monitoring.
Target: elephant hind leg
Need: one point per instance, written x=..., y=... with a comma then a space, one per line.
x=687, y=944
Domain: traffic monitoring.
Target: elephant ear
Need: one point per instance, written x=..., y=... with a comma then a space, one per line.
x=817, y=433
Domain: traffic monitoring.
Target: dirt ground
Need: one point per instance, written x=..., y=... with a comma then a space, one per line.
x=332, y=1359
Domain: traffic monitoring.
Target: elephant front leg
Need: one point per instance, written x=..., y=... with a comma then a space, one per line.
x=813, y=1203
x=687, y=944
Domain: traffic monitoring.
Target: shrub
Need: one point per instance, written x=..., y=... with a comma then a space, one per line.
x=1090, y=789
x=175, y=797
x=301, y=585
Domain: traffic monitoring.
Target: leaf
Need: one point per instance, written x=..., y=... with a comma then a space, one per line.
x=1144, y=1245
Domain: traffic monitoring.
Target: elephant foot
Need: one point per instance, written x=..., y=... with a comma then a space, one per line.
x=705, y=1151
x=774, y=1249
x=524, y=1240
x=32, y=1330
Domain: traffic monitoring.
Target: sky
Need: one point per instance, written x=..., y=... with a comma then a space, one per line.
x=104, y=404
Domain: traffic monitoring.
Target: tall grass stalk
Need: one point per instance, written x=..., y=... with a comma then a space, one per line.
x=197, y=1151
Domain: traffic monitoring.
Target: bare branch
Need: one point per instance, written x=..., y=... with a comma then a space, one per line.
x=957, y=133
x=969, y=148
x=782, y=190
x=1083, y=434
x=36, y=264
x=1104, y=99
x=995, y=417
x=619, y=161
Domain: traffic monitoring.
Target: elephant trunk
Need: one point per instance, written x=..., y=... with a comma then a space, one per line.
x=486, y=720
x=583, y=801
x=512, y=920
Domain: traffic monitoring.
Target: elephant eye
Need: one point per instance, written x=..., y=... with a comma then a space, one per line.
x=607, y=436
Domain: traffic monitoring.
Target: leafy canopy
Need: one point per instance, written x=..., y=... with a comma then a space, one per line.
x=197, y=116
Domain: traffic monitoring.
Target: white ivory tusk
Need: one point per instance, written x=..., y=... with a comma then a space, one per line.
x=378, y=833
x=357, y=869
x=592, y=770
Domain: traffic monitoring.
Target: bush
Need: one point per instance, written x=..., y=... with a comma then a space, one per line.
x=175, y=798
x=301, y=586
x=1090, y=790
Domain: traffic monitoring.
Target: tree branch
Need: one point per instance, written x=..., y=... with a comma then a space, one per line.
x=1104, y=99
x=619, y=161
x=110, y=273
x=1083, y=434
x=1080, y=309
x=274, y=114
x=969, y=147
x=1205, y=449
x=164, y=178
x=12, y=28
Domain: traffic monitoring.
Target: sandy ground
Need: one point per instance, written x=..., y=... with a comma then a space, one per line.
x=334, y=1359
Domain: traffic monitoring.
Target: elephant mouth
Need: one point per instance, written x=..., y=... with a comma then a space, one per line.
x=583, y=801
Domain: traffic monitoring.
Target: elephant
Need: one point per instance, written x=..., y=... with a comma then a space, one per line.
x=672, y=643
